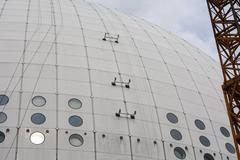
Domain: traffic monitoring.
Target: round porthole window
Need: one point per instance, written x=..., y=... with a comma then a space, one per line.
x=2, y=137
x=199, y=124
x=208, y=156
x=38, y=118
x=75, y=121
x=225, y=132
x=172, y=118
x=38, y=101
x=230, y=148
x=75, y=103
x=3, y=100
x=179, y=153
x=76, y=140
x=204, y=141
x=37, y=138
x=176, y=134
x=3, y=117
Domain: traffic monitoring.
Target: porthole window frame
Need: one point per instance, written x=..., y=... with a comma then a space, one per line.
x=2, y=134
x=42, y=122
x=225, y=132
x=41, y=105
x=72, y=124
x=176, y=134
x=76, y=136
x=178, y=150
x=75, y=99
x=203, y=140
x=200, y=124
x=40, y=133
x=6, y=117
x=230, y=148
x=172, y=118
x=206, y=156
x=5, y=100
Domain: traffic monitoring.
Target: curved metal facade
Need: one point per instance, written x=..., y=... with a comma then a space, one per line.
x=151, y=96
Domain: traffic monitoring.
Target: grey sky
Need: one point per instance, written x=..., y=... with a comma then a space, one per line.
x=186, y=18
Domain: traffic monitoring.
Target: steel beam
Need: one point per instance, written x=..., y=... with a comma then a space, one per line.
x=225, y=19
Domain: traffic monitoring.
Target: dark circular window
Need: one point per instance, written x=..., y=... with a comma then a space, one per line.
x=172, y=118
x=204, y=141
x=3, y=100
x=199, y=124
x=176, y=134
x=2, y=137
x=75, y=121
x=76, y=140
x=38, y=118
x=225, y=132
x=38, y=101
x=179, y=153
x=208, y=156
x=230, y=148
x=3, y=117
x=75, y=103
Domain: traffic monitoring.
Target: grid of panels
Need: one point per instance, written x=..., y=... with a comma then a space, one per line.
x=54, y=49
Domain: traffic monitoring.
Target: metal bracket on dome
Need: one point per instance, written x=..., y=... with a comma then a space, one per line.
x=108, y=36
x=126, y=115
x=126, y=84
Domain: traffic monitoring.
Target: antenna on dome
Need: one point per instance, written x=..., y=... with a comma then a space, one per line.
x=126, y=84
x=111, y=37
x=126, y=115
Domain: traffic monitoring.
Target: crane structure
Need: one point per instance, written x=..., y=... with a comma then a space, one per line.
x=225, y=19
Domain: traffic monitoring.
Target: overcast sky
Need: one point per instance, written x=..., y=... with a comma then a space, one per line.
x=187, y=18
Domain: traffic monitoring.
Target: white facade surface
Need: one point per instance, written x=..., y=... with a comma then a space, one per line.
x=67, y=94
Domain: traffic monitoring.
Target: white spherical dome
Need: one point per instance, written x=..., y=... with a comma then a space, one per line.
x=78, y=80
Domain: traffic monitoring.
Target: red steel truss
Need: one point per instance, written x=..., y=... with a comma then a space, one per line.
x=225, y=19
